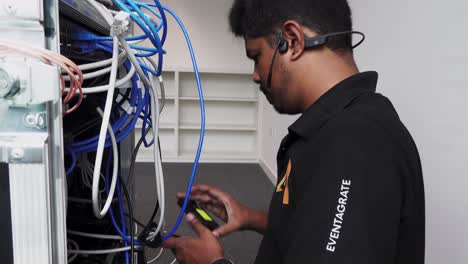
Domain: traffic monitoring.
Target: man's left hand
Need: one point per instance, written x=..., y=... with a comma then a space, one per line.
x=203, y=249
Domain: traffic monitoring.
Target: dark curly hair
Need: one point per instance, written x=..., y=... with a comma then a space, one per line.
x=261, y=18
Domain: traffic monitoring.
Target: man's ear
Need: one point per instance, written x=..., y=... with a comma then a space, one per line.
x=293, y=33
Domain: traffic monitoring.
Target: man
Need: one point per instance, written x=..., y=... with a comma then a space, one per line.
x=350, y=186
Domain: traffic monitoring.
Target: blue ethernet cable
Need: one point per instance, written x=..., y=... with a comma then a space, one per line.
x=73, y=158
x=92, y=37
x=162, y=17
x=146, y=68
x=145, y=120
x=154, y=38
x=128, y=129
x=122, y=220
x=131, y=5
x=120, y=137
x=151, y=26
x=116, y=127
x=121, y=232
x=135, y=18
x=87, y=145
x=202, y=130
x=150, y=52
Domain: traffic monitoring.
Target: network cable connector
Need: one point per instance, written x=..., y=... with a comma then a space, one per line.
x=121, y=24
x=22, y=82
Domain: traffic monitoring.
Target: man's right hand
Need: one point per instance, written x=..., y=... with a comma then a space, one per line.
x=235, y=215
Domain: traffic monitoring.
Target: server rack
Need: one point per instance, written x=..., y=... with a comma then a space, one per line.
x=31, y=146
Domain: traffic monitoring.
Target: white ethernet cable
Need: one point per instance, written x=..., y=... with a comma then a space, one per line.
x=155, y=115
x=100, y=64
x=157, y=257
x=102, y=137
x=161, y=83
x=105, y=13
x=103, y=88
x=134, y=61
x=115, y=154
x=97, y=73
x=100, y=236
x=99, y=252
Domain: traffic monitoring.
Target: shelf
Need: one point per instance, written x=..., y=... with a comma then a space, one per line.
x=231, y=107
x=139, y=125
x=218, y=85
x=171, y=98
x=221, y=99
x=169, y=83
x=237, y=114
x=219, y=127
x=213, y=70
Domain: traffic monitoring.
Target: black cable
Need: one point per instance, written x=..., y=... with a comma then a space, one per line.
x=135, y=220
x=129, y=202
x=131, y=174
x=134, y=155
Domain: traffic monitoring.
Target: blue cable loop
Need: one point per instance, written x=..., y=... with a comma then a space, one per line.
x=202, y=130
x=158, y=44
x=153, y=29
x=89, y=144
x=162, y=16
x=122, y=135
x=154, y=38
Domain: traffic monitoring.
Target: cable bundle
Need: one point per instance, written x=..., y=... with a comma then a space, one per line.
x=141, y=64
x=74, y=74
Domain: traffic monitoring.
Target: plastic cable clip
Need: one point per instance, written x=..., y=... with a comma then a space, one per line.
x=120, y=24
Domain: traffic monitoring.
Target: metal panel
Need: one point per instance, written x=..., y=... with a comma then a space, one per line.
x=58, y=183
x=29, y=196
x=35, y=155
x=22, y=9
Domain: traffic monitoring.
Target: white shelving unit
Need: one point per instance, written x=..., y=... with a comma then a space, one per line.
x=231, y=107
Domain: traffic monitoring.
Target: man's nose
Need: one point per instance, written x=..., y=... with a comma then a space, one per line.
x=256, y=78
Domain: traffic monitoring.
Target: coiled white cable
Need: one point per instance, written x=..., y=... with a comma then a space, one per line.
x=102, y=138
x=119, y=83
x=155, y=115
x=99, y=252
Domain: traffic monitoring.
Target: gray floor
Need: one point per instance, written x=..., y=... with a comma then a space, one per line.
x=247, y=182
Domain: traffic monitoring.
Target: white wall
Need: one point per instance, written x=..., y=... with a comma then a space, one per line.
x=207, y=24
x=273, y=128
x=420, y=49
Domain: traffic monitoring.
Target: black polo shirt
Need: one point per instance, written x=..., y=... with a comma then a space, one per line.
x=350, y=187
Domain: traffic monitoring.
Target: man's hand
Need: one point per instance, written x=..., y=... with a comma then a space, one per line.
x=204, y=249
x=227, y=208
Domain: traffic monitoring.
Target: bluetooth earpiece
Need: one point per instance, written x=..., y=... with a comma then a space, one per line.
x=283, y=45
